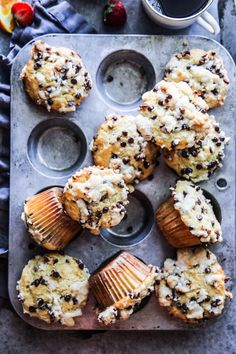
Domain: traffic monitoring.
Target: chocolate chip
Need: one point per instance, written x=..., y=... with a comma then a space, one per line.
x=49, y=89
x=146, y=164
x=161, y=103
x=130, y=140
x=126, y=160
x=67, y=298
x=207, y=270
x=73, y=81
x=212, y=165
x=37, y=65
x=217, y=129
x=55, y=274
x=215, y=92
x=186, y=171
x=41, y=303
x=50, y=102
x=193, y=151
x=32, y=309
x=185, y=154
x=199, y=166
x=124, y=133
x=188, y=67
x=104, y=197
x=137, y=157
x=105, y=210
x=78, y=95
x=215, y=303
x=81, y=266
x=52, y=316
x=123, y=144
x=185, y=127
x=75, y=301
x=77, y=69
x=98, y=214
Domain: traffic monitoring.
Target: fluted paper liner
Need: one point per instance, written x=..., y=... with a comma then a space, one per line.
x=49, y=226
x=172, y=226
x=118, y=279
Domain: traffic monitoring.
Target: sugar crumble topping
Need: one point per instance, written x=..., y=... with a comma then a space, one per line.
x=196, y=212
x=193, y=286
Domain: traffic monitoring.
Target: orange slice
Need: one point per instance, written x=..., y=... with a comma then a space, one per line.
x=6, y=18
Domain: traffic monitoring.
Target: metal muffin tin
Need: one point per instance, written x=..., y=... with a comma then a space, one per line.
x=46, y=148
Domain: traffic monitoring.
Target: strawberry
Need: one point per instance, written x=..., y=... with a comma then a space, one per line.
x=114, y=13
x=23, y=13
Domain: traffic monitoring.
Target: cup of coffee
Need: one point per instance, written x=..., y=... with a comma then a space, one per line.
x=177, y=14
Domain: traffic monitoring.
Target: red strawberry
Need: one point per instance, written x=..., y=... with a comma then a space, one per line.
x=114, y=13
x=23, y=13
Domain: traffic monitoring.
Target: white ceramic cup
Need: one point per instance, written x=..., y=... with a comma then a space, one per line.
x=203, y=17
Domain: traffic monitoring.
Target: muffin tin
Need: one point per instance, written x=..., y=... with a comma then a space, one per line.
x=46, y=148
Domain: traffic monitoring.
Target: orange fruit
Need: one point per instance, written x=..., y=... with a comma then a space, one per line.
x=6, y=18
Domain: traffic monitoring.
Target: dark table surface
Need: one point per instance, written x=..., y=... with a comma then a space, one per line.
x=18, y=337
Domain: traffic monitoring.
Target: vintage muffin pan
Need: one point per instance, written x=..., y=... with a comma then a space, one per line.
x=46, y=148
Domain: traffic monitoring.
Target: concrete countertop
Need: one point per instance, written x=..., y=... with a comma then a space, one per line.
x=18, y=337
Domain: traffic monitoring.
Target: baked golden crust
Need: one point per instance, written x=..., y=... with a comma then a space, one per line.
x=119, y=145
x=200, y=161
x=175, y=116
x=56, y=78
x=46, y=220
x=187, y=217
x=54, y=288
x=96, y=198
x=192, y=287
x=120, y=286
x=203, y=71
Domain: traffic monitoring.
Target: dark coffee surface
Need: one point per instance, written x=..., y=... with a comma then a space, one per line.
x=181, y=8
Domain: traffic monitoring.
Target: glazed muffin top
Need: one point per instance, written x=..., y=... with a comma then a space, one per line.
x=203, y=71
x=96, y=198
x=119, y=145
x=56, y=77
x=175, y=115
x=54, y=288
x=193, y=286
x=196, y=212
x=200, y=161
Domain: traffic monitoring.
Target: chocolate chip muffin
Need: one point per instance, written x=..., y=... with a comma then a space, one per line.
x=175, y=116
x=200, y=161
x=45, y=219
x=187, y=218
x=119, y=145
x=55, y=77
x=120, y=286
x=192, y=287
x=96, y=198
x=54, y=288
x=203, y=71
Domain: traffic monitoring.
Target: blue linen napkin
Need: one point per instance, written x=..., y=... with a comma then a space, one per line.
x=50, y=17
